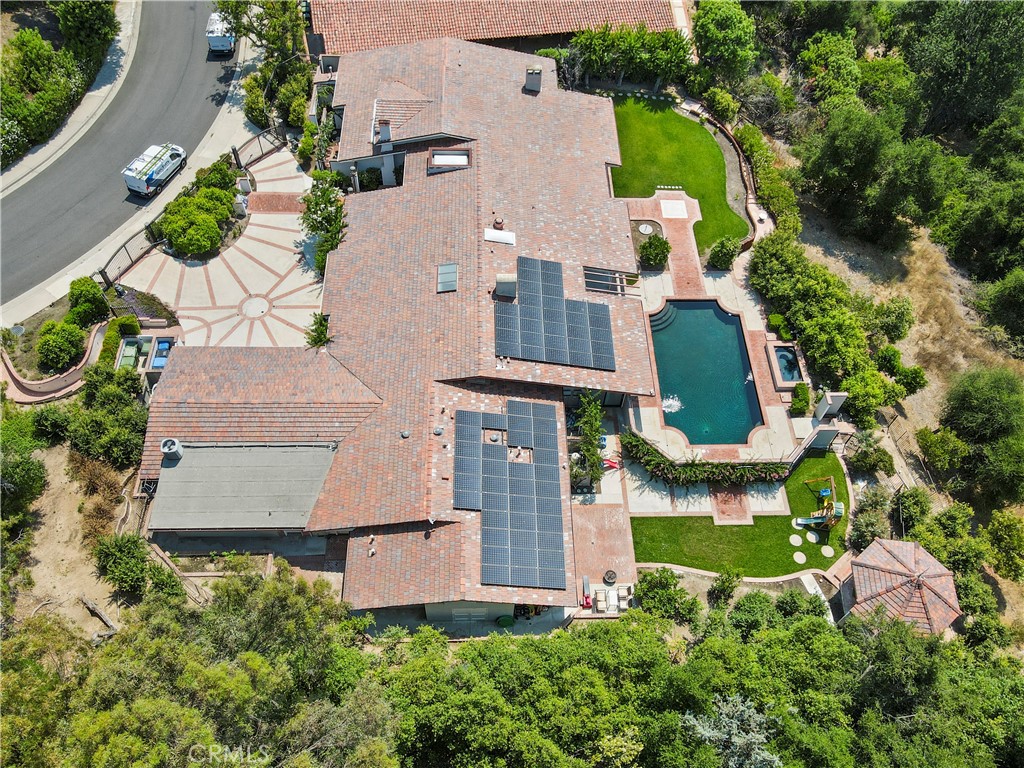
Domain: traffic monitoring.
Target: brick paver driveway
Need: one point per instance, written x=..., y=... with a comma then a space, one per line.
x=260, y=292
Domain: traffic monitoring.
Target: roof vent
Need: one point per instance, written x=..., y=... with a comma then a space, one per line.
x=171, y=448
x=505, y=285
x=533, y=75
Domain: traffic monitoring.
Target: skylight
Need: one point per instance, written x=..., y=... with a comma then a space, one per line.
x=447, y=278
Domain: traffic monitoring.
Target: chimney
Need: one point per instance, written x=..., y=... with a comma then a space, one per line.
x=384, y=126
x=533, y=79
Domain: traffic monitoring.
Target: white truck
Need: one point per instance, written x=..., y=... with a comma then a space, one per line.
x=147, y=173
x=219, y=35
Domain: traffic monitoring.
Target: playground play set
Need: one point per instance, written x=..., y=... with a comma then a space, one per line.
x=830, y=510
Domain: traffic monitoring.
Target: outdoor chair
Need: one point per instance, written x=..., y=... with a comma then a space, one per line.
x=623, y=597
x=600, y=601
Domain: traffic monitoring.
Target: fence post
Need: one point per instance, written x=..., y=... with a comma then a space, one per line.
x=106, y=280
x=238, y=160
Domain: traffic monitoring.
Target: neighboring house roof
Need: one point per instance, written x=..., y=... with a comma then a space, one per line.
x=355, y=25
x=907, y=582
x=241, y=395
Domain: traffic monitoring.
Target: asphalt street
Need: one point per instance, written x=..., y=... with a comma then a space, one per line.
x=171, y=93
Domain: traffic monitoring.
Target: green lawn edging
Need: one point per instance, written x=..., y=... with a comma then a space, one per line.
x=758, y=550
x=660, y=147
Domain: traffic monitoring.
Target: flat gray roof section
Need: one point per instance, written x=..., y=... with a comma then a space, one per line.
x=217, y=486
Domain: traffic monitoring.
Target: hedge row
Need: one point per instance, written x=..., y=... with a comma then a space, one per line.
x=661, y=467
x=773, y=191
x=117, y=329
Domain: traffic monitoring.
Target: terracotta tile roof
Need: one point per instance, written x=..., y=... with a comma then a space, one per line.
x=910, y=584
x=355, y=25
x=412, y=563
x=240, y=395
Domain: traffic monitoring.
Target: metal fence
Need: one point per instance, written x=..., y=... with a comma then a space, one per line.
x=133, y=249
x=259, y=146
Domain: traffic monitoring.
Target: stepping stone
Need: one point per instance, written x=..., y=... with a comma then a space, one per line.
x=794, y=524
x=813, y=537
x=795, y=540
x=800, y=557
x=827, y=551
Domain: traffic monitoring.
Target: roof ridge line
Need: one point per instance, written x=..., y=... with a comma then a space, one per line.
x=335, y=358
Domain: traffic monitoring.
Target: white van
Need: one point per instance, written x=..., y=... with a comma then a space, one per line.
x=147, y=173
x=219, y=35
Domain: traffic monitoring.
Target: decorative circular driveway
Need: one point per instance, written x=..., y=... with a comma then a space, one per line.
x=260, y=292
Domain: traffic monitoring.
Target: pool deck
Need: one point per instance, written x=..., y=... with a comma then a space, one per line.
x=686, y=279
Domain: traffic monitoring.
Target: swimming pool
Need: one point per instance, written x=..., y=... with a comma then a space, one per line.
x=789, y=367
x=707, y=388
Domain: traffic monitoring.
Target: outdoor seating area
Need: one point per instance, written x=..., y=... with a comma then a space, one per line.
x=610, y=598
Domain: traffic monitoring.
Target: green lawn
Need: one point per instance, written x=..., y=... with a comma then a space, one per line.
x=761, y=549
x=662, y=148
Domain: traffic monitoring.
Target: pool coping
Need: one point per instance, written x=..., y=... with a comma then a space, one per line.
x=780, y=384
x=657, y=382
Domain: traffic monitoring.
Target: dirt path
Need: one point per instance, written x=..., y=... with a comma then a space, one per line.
x=61, y=565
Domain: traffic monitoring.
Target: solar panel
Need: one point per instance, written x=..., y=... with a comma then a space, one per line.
x=472, y=418
x=551, y=579
x=520, y=501
x=495, y=421
x=492, y=468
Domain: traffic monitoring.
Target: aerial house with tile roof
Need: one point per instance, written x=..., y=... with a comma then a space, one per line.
x=420, y=459
x=347, y=26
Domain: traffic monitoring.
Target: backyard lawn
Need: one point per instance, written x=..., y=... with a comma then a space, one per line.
x=662, y=148
x=761, y=549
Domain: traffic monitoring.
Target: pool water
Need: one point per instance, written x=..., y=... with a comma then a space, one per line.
x=704, y=373
x=788, y=365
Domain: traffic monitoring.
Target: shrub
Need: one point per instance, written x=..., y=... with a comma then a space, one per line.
x=117, y=329
x=889, y=360
x=653, y=252
x=867, y=526
x=721, y=104
x=773, y=191
x=794, y=602
x=317, y=332
x=123, y=561
x=163, y=581
x=724, y=253
x=50, y=422
x=87, y=303
x=96, y=478
x=1006, y=302
x=801, y=399
x=220, y=175
x=658, y=593
x=753, y=612
x=97, y=518
x=777, y=324
x=942, y=449
x=1005, y=536
x=910, y=506
x=60, y=345
x=588, y=418
x=192, y=224
x=974, y=595
x=660, y=467
x=293, y=97
x=875, y=459
x=912, y=379
x=895, y=317
x=254, y=106
x=304, y=152
x=724, y=586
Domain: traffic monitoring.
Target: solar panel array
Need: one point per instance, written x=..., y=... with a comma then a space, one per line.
x=546, y=327
x=520, y=503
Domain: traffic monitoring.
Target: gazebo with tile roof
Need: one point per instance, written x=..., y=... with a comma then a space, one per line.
x=904, y=580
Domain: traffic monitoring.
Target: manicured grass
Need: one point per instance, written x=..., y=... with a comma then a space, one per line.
x=661, y=147
x=761, y=549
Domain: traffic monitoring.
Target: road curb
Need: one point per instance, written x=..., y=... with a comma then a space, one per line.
x=228, y=127
x=97, y=98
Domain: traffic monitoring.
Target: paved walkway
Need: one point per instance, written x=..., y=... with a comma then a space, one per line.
x=261, y=291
